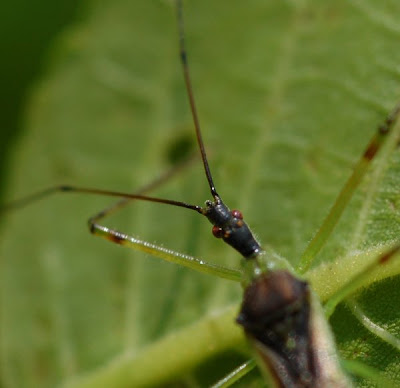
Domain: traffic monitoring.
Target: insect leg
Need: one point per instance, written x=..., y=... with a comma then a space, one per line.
x=348, y=190
x=124, y=239
x=164, y=253
x=359, y=280
x=372, y=326
x=236, y=374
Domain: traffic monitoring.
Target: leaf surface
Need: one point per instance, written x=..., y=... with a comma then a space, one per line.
x=288, y=94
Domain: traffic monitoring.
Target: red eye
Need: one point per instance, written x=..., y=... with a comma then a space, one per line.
x=217, y=232
x=237, y=214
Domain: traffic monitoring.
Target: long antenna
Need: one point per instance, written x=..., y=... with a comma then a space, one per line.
x=189, y=89
x=88, y=190
x=227, y=224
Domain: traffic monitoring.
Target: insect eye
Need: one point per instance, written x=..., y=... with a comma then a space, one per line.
x=237, y=214
x=217, y=232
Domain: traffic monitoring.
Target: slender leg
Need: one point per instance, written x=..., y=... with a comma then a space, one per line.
x=164, y=253
x=158, y=182
x=129, y=241
x=352, y=285
x=372, y=326
x=235, y=375
x=347, y=192
x=357, y=281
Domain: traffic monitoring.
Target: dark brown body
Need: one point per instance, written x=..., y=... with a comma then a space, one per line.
x=286, y=326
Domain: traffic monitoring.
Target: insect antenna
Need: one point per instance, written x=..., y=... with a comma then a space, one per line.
x=189, y=89
x=227, y=224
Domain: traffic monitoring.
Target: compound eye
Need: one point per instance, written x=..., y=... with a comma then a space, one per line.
x=237, y=214
x=217, y=232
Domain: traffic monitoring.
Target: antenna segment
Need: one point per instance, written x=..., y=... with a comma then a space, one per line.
x=189, y=89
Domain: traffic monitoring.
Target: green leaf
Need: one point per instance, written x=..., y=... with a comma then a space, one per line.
x=288, y=94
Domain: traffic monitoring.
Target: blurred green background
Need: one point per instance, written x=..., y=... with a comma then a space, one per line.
x=288, y=94
x=27, y=29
